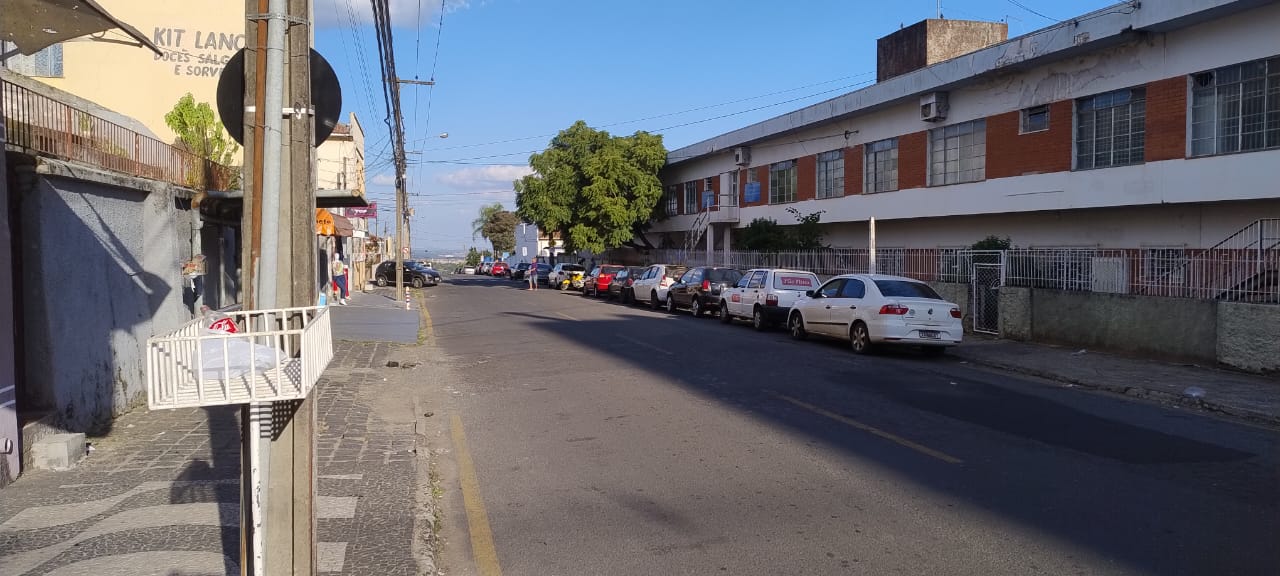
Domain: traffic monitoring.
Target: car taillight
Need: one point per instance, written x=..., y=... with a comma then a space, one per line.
x=894, y=309
x=706, y=285
x=955, y=313
x=771, y=300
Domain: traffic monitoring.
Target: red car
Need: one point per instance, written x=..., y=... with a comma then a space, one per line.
x=500, y=269
x=598, y=282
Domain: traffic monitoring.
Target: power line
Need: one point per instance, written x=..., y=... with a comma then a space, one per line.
x=1028, y=9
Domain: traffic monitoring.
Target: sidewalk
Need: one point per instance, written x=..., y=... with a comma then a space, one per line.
x=159, y=495
x=1241, y=395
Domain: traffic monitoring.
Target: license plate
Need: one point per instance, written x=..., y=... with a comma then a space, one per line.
x=930, y=334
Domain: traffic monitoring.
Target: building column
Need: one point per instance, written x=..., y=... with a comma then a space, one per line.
x=711, y=244
x=728, y=236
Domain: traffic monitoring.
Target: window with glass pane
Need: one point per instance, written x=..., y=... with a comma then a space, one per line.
x=690, y=198
x=880, y=166
x=673, y=201
x=1111, y=129
x=733, y=185
x=1035, y=119
x=46, y=63
x=1236, y=108
x=831, y=174
x=958, y=153
x=782, y=182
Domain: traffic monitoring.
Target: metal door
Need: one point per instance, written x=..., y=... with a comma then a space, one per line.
x=987, y=279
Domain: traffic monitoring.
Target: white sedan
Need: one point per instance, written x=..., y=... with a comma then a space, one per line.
x=868, y=310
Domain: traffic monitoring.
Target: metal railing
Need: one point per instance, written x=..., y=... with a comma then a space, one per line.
x=47, y=126
x=1247, y=271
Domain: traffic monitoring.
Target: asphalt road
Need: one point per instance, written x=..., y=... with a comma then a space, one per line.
x=613, y=440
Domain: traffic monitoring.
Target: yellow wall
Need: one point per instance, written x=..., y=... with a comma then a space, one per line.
x=198, y=37
x=330, y=157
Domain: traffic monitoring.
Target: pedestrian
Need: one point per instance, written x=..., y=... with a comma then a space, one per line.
x=340, y=278
x=532, y=275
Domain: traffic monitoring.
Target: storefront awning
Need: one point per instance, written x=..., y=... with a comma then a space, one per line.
x=330, y=224
x=34, y=25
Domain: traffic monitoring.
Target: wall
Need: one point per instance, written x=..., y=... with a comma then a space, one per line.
x=1247, y=336
x=1173, y=328
x=197, y=36
x=101, y=260
x=342, y=152
x=959, y=295
x=10, y=461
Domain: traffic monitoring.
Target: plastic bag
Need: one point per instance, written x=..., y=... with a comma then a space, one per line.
x=229, y=358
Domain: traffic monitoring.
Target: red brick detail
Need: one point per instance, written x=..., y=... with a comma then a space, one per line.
x=1012, y=154
x=913, y=161
x=806, y=178
x=1166, y=119
x=853, y=170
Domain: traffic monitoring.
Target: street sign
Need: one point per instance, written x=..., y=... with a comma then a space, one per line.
x=326, y=97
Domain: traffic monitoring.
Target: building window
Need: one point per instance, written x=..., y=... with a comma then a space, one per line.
x=782, y=182
x=733, y=185
x=673, y=202
x=880, y=166
x=831, y=174
x=690, y=198
x=1034, y=119
x=46, y=63
x=1236, y=108
x=958, y=153
x=1111, y=129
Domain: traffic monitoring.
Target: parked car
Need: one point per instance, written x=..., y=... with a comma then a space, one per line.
x=468, y=269
x=600, y=279
x=651, y=287
x=561, y=272
x=765, y=295
x=484, y=267
x=415, y=274
x=868, y=310
x=699, y=289
x=499, y=269
x=543, y=272
x=620, y=287
x=517, y=273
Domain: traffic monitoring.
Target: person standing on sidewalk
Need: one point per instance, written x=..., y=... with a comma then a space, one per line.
x=340, y=278
x=532, y=275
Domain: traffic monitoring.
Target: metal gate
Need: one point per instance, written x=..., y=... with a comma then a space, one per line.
x=987, y=279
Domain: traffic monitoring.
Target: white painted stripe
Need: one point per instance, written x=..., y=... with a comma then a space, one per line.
x=336, y=506
x=644, y=344
x=91, y=485
x=342, y=476
x=330, y=556
x=7, y=388
x=567, y=316
x=8, y=404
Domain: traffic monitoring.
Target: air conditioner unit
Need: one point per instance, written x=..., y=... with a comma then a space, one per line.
x=933, y=107
x=742, y=156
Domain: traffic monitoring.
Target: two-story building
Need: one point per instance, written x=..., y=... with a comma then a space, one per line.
x=1145, y=125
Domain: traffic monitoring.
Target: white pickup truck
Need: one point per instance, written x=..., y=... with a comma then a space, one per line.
x=765, y=295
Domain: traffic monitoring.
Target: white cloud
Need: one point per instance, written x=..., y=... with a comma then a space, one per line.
x=404, y=13
x=384, y=179
x=484, y=177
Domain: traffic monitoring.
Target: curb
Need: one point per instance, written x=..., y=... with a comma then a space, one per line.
x=1134, y=392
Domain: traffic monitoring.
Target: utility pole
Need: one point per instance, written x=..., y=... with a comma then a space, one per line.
x=395, y=120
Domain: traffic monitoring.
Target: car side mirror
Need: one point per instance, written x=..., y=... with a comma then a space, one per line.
x=813, y=293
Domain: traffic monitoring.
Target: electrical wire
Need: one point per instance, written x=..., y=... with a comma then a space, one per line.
x=1028, y=9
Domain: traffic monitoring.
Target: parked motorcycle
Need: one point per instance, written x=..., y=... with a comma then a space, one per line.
x=573, y=281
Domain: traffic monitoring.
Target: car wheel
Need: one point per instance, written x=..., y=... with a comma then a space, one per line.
x=725, y=318
x=671, y=304
x=653, y=301
x=381, y=282
x=934, y=351
x=859, y=338
x=696, y=308
x=796, y=326
x=417, y=282
x=757, y=319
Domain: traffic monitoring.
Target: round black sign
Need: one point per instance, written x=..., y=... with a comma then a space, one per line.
x=326, y=95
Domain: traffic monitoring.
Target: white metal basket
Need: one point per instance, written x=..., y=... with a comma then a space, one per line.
x=287, y=350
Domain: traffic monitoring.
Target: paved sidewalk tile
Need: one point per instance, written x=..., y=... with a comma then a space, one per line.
x=1233, y=393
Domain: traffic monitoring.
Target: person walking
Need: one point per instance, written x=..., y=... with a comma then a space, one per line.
x=340, y=278
x=532, y=275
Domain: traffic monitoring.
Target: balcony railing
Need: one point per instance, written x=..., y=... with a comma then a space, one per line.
x=50, y=127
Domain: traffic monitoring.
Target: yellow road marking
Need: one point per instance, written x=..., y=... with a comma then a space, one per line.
x=871, y=429
x=427, y=333
x=482, y=549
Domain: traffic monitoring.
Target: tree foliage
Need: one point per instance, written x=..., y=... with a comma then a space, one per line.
x=473, y=257
x=993, y=242
x=486, y=212
x=593, y=188
x=500, y=230
x=766, y=235
x=200, y=132
x=808, y=230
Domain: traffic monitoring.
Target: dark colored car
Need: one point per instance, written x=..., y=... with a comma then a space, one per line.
x=518, y=272
x=699, y=289
x=620, y=287
x=544, y=273
x=500, y=269
x=598, y=282
x=415, y=274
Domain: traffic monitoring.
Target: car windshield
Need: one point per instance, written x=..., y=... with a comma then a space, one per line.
x=794, y=281
x=675, y=271
x=544, y=267
x=610, y=269
x=523, y=266
x=572, y=268
x=723, y=276
x=906, y=289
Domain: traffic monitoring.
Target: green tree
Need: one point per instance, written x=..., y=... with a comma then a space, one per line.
x=473, y=257
x=808, y=231
x=993, y=242
x=594, y=189
x=200, y=133
x=500, y=230
x=765, y=235
x=486, y=212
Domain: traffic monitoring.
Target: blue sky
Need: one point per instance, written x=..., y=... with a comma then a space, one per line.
x=511, y=73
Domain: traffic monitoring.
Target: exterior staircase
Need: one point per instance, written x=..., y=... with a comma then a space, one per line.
x=697, y=231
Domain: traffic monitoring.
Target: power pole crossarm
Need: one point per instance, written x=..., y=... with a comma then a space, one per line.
x=417, y=82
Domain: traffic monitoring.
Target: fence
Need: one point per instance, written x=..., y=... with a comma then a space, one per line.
x=1246, y=269
x=47, y=126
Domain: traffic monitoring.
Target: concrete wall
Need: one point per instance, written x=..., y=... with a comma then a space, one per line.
x=1247, y=336
x=101, y=256
x=1015, y=313
x=10, y=437
x=959, y=294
